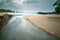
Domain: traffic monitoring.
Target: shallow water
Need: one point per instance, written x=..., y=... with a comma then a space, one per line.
x=20, y=29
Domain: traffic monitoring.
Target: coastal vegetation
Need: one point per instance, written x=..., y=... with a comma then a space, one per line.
x=57, y=6
x=5, y=10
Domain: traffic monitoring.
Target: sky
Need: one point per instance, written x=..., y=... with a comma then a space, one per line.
x=28, y=5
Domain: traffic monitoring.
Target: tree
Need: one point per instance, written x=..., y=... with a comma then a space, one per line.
x=57, y=6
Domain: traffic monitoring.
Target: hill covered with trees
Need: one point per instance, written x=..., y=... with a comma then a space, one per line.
x=5, y=10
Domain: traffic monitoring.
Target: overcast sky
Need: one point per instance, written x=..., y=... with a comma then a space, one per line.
x=28, y=5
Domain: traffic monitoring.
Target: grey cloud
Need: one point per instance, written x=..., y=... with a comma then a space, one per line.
x=28, y=5
x=32, y=1
x=3, y=2
x=6, y=4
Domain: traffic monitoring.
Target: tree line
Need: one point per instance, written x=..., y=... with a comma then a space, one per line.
x=5, y=10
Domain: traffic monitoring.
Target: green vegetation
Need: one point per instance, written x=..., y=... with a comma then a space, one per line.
x=46, y=13
x=4, y=10
x=57, y=6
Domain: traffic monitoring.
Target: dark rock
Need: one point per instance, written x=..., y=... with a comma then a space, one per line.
x=4, y=20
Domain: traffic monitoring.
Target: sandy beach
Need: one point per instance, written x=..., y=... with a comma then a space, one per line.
x=48, y=23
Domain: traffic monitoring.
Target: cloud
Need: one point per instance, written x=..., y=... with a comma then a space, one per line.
x=19, y=1
x=27, y=5
x=0, y=0
x=33, y=1
x=25, y=1
x=3, y=2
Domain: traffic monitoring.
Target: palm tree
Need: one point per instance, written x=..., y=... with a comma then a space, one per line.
x=57, y=6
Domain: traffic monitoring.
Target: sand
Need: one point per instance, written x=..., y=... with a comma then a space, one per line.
x=48, y=23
